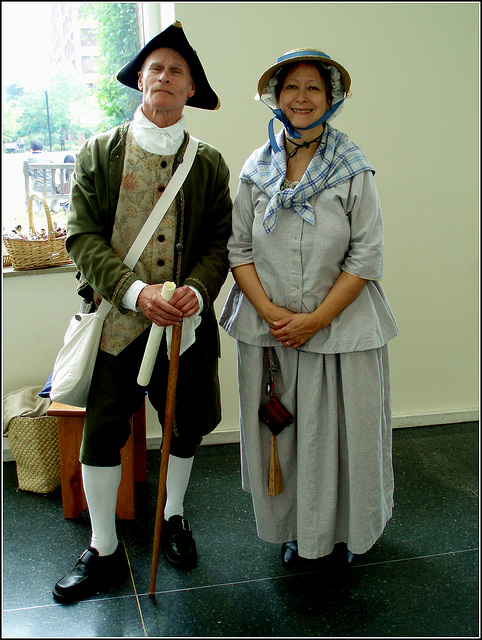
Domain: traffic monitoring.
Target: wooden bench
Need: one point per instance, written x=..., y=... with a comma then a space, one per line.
x=70, y=423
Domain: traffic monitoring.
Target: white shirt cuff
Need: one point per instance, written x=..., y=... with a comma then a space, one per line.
x=130, y=298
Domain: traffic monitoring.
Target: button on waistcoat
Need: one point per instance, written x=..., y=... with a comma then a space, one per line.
x=144, y=178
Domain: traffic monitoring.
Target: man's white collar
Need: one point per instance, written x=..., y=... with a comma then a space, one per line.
x=163, y=141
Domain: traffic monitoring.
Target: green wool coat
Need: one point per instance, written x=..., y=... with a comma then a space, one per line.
x=203, y=229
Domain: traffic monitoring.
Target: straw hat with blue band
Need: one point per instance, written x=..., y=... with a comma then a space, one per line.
x=173, y=38
x=340, y=81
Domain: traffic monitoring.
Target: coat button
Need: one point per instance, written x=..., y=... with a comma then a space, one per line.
x=160, y=263
x=163, y=164
x=161, y=238
x=161, y=189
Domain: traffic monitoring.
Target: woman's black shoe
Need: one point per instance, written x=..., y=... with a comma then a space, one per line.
x=289, y=554
x=178, y=544
x=343, y=557
x=90, y=573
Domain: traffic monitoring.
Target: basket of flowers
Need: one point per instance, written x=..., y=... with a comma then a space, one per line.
x=37, y=252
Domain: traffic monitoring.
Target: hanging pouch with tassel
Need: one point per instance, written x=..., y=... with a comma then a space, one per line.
x=276, y=417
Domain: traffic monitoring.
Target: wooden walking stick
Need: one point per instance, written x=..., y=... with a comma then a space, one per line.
x=166, y=445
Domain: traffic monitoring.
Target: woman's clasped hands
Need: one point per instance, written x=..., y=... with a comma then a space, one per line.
x=295, y=329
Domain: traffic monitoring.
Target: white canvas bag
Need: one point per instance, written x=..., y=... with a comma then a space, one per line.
x=75, y=362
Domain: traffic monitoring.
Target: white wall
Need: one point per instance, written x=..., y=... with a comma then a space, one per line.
x=414, y=111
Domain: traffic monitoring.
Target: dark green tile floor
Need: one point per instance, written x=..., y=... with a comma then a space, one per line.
x=421, y=579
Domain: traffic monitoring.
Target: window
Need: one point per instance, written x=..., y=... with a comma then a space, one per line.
x=88, y=36
x=89, y=64
x=61, y=89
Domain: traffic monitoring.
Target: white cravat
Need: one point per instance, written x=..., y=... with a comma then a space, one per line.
x=154, y=139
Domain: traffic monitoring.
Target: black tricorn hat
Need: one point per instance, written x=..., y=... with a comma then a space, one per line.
x=174, y=38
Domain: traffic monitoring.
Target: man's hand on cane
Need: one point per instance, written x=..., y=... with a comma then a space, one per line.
x=183, y=303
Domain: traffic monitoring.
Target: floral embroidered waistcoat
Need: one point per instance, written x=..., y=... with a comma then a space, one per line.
x=144, y=177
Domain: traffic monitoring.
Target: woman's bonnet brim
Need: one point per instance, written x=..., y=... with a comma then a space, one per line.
x=303, y=55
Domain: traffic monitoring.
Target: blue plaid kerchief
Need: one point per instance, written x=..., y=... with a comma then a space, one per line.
x=336, y=160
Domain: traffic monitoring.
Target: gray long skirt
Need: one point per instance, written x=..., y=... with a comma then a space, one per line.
x=335, y=459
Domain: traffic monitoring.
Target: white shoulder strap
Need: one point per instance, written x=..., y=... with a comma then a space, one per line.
x=163, y=204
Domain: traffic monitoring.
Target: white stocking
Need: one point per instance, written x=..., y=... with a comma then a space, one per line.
x=178, y=474
x=100, y=488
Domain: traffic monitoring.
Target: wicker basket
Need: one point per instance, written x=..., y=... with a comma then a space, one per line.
x=37, y=254
x=34, y=444
x=7, y=260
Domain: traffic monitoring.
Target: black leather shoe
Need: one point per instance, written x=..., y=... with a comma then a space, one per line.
x=343, y=557
x=289, y=554
x=89, y=574
x=177, y=543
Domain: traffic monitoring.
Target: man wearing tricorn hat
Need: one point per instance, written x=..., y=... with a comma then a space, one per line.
x=119, y=177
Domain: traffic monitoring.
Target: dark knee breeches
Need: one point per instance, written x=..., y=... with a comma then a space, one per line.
x=115, y=396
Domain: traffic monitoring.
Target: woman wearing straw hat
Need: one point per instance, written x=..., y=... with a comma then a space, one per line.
x=306, y=253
